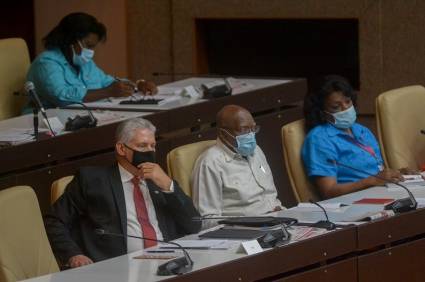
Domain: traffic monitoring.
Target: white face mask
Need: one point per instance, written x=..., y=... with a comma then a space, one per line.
x=83, y=58
x=345, y=119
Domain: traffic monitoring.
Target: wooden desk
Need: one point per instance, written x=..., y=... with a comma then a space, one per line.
x=38, y=164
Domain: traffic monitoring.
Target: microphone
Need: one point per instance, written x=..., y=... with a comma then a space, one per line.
x=398, y=206
x=176, y=266
x=30, y=89
x=326, y=224
x=38, y=106
x=214, y=89
x=79, y=122
x=423, y=131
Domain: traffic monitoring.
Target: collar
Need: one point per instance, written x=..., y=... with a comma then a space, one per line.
x=228, y=154
x=126, y=176
x=331, y=130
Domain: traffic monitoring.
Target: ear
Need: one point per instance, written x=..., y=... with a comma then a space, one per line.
x=120, y=149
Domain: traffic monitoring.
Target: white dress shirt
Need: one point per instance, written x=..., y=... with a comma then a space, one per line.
x=133, y=225
x=225, y=183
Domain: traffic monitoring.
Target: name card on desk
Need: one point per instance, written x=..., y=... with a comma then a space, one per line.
x=250, y=247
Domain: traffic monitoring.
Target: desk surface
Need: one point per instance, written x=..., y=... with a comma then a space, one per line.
x=332, y=245
x=251, y=86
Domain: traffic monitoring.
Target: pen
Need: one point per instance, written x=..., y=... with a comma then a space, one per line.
x=128, y=81
x=160, y=251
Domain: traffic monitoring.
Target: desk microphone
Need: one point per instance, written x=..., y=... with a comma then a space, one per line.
x=79, y=122
x=326, y=224
x=176, y=266
x=37, y=106
x=398, y=206
x=214, y=89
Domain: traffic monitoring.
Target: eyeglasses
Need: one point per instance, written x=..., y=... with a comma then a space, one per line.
x=243, y=130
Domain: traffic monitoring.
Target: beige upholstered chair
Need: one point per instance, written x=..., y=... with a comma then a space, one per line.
x=400, y=118
x=181, y=160
x=14, y=64
x=58, y=187
x=25, y=251
x=293, y=135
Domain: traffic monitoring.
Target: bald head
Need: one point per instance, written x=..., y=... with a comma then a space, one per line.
x=234, y=118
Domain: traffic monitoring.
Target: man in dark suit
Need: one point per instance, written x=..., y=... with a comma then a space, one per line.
x=132, y=197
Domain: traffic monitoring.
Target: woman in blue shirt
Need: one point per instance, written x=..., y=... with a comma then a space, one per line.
x=65, y=72
x=334, y=139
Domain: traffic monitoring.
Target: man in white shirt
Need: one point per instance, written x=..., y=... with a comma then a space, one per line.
x=132, y=197
x=233, y=176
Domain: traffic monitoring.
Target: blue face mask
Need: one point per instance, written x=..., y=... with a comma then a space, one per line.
x=246, y=143
x=345, y=119
x=85, y=56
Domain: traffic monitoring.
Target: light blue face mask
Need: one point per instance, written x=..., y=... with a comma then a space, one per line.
x=246, y=143
x=83, y=58
x=345, y=119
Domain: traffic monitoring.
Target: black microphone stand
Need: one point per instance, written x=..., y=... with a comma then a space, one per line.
x=176, y=266
x=326, y=224
x=35, y=121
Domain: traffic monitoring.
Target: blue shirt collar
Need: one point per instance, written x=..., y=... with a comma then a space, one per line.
x=357, y=130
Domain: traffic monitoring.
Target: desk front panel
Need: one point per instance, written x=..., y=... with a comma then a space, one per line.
x=405, y=262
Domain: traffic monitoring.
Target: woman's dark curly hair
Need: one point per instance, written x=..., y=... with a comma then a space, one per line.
x=319, y=90
x=72, y=28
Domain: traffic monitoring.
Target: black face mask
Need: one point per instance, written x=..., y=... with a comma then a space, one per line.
x=143, y=157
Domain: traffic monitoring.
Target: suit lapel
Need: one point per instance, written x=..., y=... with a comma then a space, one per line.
x=117, y=191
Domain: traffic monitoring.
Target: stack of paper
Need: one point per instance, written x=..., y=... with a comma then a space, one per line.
x=14, y=136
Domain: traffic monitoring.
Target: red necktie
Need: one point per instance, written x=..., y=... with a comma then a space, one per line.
x=142, y=214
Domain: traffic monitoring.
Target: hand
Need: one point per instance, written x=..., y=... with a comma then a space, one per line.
x=79, y=260
x=155, y=173
x=121, y=89
x=147, y=87
x=390, y=175
x=409, y=171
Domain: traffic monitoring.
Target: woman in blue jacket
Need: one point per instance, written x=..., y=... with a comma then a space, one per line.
x=66, y=73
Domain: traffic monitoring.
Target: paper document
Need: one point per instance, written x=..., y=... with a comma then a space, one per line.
x=202, y=244
x=303, y=232
x=14, y=136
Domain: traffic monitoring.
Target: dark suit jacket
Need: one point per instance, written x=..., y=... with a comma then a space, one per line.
x=95, y=199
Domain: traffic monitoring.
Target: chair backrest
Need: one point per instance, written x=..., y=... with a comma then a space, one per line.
x=180, y=162
x=14, y=64
x=25, y=251
x=293, y=135
x=58, y=187
x=400, y=119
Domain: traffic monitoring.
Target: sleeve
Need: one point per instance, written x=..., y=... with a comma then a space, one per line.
x=316, y=154
x=61, y=217
x=181, y=206
x=49, y=76
x=105, y=79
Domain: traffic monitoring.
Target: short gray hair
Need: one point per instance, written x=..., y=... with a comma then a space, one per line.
x=125, y=131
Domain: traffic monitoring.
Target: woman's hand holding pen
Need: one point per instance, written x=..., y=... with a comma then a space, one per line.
x=121, y=88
